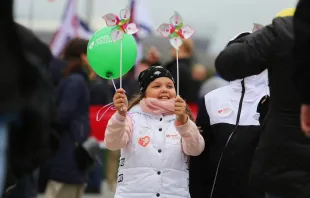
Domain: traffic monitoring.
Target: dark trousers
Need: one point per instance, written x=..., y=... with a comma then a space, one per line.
x=26, y=187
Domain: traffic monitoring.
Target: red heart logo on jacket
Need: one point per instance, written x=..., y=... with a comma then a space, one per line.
x=144, y=141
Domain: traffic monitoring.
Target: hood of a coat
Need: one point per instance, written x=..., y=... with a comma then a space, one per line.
x=254, y=85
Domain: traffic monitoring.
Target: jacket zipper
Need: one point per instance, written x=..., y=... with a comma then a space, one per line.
x=230, y=136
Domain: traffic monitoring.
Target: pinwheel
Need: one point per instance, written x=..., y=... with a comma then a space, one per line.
x=121, y=26
x=176, y=31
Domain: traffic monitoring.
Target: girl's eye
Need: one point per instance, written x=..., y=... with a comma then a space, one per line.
x=170, y=87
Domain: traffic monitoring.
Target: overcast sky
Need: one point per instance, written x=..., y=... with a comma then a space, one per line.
x=221, y=19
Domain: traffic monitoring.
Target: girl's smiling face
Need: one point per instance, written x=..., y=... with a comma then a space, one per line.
x=161, y=88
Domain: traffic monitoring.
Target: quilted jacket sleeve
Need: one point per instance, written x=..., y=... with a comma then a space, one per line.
x=246, y=56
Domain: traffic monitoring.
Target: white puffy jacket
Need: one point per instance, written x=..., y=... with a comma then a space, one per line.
x=153, y=164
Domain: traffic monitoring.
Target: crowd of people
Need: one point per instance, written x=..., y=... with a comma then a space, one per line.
x=248, y=140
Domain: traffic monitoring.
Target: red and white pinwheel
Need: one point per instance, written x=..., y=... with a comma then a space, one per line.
x=121, y=24
x=176, y=31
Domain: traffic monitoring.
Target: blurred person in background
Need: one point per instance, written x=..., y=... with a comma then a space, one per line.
x=12, y=61
x=100, y=95
x=130, y=83
x=26, y=106
x=281, y=165
x=30, y=133
x=199, y=72
x=56, y=69
x=72, y=97
x=301, y=52
x=187, y=85
x=153, y=56
x=211, y=84
x=112, y=167
x=141, y=66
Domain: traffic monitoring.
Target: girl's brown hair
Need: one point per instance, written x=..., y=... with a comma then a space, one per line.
x=136, y=99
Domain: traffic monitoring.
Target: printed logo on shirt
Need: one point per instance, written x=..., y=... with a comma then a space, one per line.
x=256, y=116
x=144, y=141
x=122, y=162
x=120, y=178
x=224, y=111
x=173, y=136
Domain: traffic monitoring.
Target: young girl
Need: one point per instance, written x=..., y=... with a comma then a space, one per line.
x=155, y=138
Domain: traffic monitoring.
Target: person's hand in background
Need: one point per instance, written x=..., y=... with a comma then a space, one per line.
x=305, y=118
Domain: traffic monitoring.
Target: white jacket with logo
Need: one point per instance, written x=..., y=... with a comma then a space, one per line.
x=230, y=119
x=153, y=160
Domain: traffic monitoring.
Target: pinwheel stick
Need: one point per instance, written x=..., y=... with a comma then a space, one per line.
x=178, y=76
x=121, y=65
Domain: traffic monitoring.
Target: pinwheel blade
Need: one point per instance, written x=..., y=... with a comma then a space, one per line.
x=125, y=14
x=176, y=42
x=111, y=19
x=187, y=31
x=131, y=28
x=117, y=35
x=176, y=19
x=164, y=30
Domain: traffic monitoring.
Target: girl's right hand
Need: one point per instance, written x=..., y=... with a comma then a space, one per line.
x=120, y=101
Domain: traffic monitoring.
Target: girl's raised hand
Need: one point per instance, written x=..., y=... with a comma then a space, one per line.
x=120, y=101
x=180, y=111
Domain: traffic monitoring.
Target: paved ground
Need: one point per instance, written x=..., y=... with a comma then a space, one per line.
x=85, y=196
x=106, y=193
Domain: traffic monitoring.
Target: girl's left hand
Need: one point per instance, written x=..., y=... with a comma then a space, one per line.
x=180, y=111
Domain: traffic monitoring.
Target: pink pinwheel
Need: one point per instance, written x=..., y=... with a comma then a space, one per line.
x=121, y=24
x=175, y=31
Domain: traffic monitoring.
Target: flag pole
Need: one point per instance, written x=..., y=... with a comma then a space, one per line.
x=89, y=9
x=30, y=14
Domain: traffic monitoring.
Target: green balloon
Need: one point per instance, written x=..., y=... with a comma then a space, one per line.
x=104, y=55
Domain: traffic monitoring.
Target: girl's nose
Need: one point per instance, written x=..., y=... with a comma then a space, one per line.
x=164, y=90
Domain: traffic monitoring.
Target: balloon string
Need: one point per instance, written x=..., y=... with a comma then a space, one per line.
x=114, y=84
x=110, y=105
x=121, y=64
x=178, y=77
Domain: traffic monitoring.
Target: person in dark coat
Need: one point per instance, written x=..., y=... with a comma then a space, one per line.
x=230, y=119
x=55, y=69
x=22, y=83
x=12, y=63
x=281, y=165
x=100, y=95
x=302, y=60
x=72, y=98
x=30, y=132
